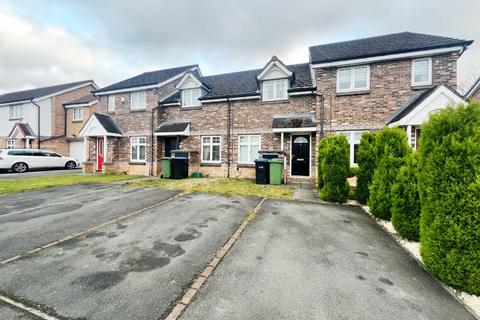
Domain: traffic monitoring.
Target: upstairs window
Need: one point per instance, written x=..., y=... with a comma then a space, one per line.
x=422, y=72
x=273, y=90
x=111, y=104
x=190, y=97
x=77, y=114
x=353, y=79
x=138, y=100
x=16, y=112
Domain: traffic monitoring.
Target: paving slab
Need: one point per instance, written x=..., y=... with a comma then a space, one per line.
x=312, y=261
x=22, y=231
x=133, y=270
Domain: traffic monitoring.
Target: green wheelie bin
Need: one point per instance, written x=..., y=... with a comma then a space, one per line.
x=276, y=171
x=167, y=167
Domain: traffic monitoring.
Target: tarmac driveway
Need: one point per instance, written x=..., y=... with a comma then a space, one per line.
x=133, y=269
x=310, y=261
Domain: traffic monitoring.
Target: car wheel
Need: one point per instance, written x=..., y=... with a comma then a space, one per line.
x=20, y=167
x=70, y=165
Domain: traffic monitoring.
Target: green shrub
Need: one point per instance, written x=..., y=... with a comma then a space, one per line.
x=319, y=166
x=449, y=186
x=366, y=159
x=391, y=147
x=406, y=201
x=334, y=153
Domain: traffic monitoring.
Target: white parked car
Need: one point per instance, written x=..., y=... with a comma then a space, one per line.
x=21, y=160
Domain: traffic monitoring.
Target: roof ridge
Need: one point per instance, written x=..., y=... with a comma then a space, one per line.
x=251, y=70
x=171, y=68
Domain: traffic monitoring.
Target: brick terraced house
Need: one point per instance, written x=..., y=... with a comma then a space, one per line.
x=223, y=122
x=37, y=118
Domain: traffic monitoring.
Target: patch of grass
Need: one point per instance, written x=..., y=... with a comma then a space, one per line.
x=225, y=186
x=35, y=183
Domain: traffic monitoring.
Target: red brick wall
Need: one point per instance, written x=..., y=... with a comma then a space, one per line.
x=390, y=87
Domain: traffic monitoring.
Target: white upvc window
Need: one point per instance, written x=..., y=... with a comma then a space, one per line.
x=111, y=104
x=11, y=144
x=422, y=72
x=211, y=149
x=77, y=114
x=273, y=90
x=353, y=79
x=16, y=111
x=138, y=100
x=138, y=146
x=248, y=147
x=353, y=138
x=190, y=97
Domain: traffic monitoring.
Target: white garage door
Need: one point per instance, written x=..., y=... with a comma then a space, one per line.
x=77, y=150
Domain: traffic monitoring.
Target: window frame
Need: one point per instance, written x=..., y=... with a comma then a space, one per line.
x=9, y=144
x=138, y=144
x=111, y=104
x=75, y=119
x=352, y=142
x=139, y=107
x=211, y=144
x=249, y=146
x=352, y=79
x=429, y=76
x=275, y=97
x=184, y=101
x=15, y=115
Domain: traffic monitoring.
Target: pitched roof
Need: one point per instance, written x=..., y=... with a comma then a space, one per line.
x=148, y=78
x=82, y=100
x=381, y=45
x=414, y=101
x=244, y=83
x=108, y=123
x=475, y=87
x=173, y=126
x=24, y=128
x=39, y=92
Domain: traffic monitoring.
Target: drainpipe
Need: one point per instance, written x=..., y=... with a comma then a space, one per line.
x=38, y=122
x=229, y=128
x=322, y=113
x=152, y=128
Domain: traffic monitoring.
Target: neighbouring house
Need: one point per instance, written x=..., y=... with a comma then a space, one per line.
x=223, y=122
x=36, y=118
x=474, y=92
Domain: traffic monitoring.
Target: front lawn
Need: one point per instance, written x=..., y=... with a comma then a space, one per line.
x=225, y=186
x=17, y=185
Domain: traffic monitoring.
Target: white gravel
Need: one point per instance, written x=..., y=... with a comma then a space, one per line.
x=472, y=301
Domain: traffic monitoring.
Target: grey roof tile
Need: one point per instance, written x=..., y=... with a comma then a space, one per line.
x=38, y=92
x=376, y=46
x=173, y=126
x=85, y=99
x=108, y=123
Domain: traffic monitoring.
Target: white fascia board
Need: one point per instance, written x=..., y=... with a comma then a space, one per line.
x=133, y=89
x=267, y=68
x=301, y=93
x=170, y=104
x=231, y=99
x=14, y=103
x=168, y=134
x=422, y=53
x=474, y=89
x=81, y=105
x=190, y=76
x=279, y=130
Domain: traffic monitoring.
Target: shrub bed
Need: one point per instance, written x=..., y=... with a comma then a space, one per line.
x=391, y=147
x=334, y=156
x=449, y=187
x=366, y=159
x=405, y=200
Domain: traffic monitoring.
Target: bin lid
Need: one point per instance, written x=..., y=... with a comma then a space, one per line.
x=180, y=158
x=261, y=160
x=166, y=158
x=276, y=160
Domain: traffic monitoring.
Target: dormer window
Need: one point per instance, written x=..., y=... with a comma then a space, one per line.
x=274, y=80
x=190, y=97
x=275, y=90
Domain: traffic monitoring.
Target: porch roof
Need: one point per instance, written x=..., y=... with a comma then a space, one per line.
x=21, y=130
x=173, y=128
x=99, y=125
x=294, y=122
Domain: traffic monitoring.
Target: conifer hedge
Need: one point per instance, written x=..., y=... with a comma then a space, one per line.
x=366, y=159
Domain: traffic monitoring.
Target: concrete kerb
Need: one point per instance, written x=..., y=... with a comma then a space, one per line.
x=450, y=290
x=200, y=280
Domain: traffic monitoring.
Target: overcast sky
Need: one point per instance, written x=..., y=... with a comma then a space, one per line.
x=46, y=42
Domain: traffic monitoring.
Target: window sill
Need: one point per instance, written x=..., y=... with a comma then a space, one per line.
x=274, y=101
x=206, y=164
x=245, y=165
x=138, y=110
x=352, y=93
x=112, y=112
x=15, y=119
x=137, y=163
x=183, y=108
x=77, y=121
x=421, y=86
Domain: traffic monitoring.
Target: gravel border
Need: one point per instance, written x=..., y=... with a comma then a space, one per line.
x=469, y=301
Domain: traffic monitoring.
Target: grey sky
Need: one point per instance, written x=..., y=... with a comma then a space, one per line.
x=47, y=42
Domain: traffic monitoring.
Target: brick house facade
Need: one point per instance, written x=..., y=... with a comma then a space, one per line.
x=222, y=122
